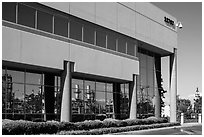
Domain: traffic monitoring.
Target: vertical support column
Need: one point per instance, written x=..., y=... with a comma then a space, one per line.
x=49, y=93
x=182, y=118
x=173, y=85
x=133, y=97
x=116, y=100
x=200, y=118
x=66, y=110
x=157, y=100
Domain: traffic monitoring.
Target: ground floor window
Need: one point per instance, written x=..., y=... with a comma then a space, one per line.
x=95, y=100
x=25, y=93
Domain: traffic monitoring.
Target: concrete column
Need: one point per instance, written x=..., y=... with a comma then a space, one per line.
x=133, y=103
x=66, y=110
x=157, y=99
x=173, y=85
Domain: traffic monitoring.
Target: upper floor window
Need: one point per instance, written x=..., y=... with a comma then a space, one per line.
x=131, y=47
x=26, y=16
x=9, y=11
x=61, y=26
x=100, y=38
x=111, y=41
x=122, y=44
x=89, y=33
x=75, y=30
x=44, y=21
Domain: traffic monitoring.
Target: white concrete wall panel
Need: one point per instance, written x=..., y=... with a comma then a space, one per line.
x=129, y=4
x=24, y=47
x=120, y=18
x=96, y=62
x=84, y=10
x=28, y=48
x=11, y=44
x=142, y=27
x=152, y=12
x=62, y=6
x=106, y=14
x=126, y=21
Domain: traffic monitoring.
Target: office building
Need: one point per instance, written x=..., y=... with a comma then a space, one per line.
x=71, y=61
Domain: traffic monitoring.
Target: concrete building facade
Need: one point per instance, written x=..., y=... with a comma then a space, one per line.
x=76, y=61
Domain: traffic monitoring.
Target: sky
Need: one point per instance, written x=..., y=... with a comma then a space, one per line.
x=189, y=47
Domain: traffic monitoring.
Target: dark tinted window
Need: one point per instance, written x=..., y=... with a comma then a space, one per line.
x=88, y=34
x=61, y=26
x=131, y=47
x=44, y=21
x=26, y=16
x=9, y=11
x=75, y=30
x=111, y=41
x=100, y=38
x=122, y=44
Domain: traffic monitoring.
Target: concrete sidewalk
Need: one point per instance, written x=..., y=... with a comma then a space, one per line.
x=185, y=125
x=190, y=124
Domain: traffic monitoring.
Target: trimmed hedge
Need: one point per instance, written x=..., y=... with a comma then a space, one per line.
x=116, y=129
x=20, y=127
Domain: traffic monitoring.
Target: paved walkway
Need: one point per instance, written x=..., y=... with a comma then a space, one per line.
x=164, y=129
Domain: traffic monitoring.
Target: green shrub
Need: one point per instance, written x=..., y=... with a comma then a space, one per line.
x=88, y=124
x=116, y=129
x=20, y=127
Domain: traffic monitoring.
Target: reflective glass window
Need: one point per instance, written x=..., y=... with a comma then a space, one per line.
x=89, y=34
x=122, y=44
x=109, y=105
x=57, y=95
x=100, y=38
x=75, y=30
x=77, y=96
x=150, y=62
x=15, y=76
x=61, y=26
x=89, y=85
x=26, y=16
x=77, y=101
x=111, y=42
x=33, y=99
x=109, y=87
x=33, y=78
x=150, y=77
x=16, y=98
x=4, y=89
x=143, y=77
x=143, y=60
x=131, y=47
x=100, y=103
x=100, y=86
x=44, y=21
x=57, y=81
x=9, y=11
x=124, y=100
x=77, y=87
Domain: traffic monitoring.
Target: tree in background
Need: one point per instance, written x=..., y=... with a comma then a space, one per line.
x=184, y=106
x=162, y=92
x=198, y=102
